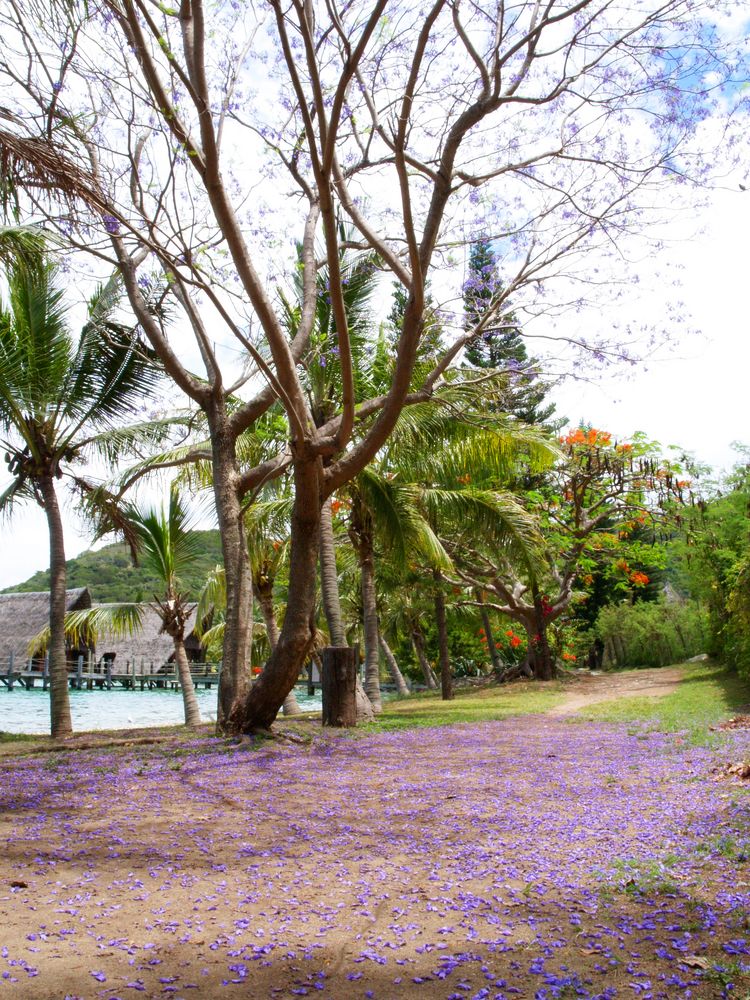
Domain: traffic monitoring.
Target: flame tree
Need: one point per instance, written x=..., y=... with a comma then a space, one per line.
x=587, y=507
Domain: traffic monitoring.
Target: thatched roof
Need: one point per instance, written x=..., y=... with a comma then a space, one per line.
x=23, y=616
x=149, y=645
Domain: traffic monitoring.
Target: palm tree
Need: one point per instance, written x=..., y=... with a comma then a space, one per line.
x=61, y=399
x=167, y=545
x=163, y=539
x=440, y=477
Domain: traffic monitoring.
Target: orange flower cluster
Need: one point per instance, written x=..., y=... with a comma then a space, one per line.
x=569, y=657
x=635, y=576
x=514, y=640
x=590, y=438
x=256, y=671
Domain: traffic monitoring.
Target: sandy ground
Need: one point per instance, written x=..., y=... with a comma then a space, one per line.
x=528, y=858
x=587, y=689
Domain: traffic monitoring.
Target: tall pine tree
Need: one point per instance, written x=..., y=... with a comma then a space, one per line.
x=500, y=344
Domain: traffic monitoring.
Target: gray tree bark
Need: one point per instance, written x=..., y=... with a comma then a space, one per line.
x=361, y=535
x=446, y=680
x=61, y=725
x=189, y=699
x=417, y=641
x=259, y=709
x=398, y=678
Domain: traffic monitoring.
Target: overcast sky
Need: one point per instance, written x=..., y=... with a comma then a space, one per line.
x=695, y=396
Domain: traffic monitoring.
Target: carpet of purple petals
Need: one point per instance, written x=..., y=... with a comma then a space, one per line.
x=529, y=858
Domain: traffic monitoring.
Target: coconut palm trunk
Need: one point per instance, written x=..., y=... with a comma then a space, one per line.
x=417, y=641
x=372, y=644
x=63, y=399
x=189, y=698
x=396, y=676
x=360, y=533
x=446, y=680
x=61, y=724
x=487, y=626
x=329, y=585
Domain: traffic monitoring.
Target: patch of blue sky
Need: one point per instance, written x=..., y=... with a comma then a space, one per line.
x=700, y=68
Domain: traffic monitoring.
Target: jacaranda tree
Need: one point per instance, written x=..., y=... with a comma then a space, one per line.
x=202, y=144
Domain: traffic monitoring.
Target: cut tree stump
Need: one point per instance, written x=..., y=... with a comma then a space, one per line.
x=338, y=686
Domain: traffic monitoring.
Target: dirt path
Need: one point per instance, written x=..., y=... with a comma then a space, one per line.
x=587, y=689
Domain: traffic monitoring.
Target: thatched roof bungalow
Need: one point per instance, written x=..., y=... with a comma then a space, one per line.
x=24, y=616
x=148, y=648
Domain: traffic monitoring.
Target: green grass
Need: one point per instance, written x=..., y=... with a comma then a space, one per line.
x=469, y=705
x=706, y=696
x=17, y=737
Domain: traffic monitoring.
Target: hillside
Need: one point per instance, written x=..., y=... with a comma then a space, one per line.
x=110, y=575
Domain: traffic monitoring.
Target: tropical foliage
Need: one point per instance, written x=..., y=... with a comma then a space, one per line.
x=63, y=401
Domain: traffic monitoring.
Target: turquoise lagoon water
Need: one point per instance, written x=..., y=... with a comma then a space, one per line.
x=24, y=711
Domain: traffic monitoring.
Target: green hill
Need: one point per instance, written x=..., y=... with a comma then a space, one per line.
x=110, y=575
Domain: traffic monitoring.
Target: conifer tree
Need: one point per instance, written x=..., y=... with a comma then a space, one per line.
x=500, y=345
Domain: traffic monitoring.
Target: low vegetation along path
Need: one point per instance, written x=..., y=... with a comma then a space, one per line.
x=534, y=857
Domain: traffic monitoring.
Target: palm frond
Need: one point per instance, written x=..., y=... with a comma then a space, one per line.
x=36, y=348
x=165, y=538
x=395, y=509
x=84, y=626
x=19, y=490
x=115, y=443
x=212, y=599
x=491, y=520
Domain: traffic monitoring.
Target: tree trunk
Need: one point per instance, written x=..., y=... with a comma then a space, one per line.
x=361, y=534
x=264, y=699
x=61, y=725
x=234, y=681
x=189, y=699
x=417, y=641
x=329, y=582
x=446, y=680
x=497, y=664
x=329, y=585
x=397, y=677
x=339, y=685
x=264, y=594
x=541, y=660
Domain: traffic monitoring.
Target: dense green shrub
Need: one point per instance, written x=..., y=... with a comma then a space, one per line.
x=651, y=634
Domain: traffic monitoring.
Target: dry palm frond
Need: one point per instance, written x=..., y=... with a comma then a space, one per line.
x=41, y=164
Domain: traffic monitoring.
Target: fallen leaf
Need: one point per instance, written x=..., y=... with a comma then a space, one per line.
x=696, y=962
